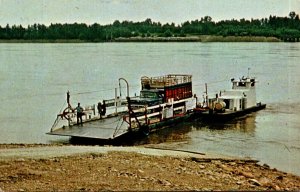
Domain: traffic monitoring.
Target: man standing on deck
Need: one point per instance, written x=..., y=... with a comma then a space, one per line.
x=99, y=107
x=80, y=113
x=103, y=108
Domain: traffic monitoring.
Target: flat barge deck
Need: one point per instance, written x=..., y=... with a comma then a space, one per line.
x=105, y=128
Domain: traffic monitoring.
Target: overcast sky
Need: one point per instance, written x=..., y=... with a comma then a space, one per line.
x=27, y=12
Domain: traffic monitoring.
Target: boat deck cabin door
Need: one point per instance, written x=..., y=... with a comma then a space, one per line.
x=227, y=102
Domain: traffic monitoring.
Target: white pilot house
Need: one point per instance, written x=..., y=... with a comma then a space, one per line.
x=240, y=97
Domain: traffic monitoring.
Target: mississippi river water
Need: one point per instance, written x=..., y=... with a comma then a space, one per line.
x=34, y=79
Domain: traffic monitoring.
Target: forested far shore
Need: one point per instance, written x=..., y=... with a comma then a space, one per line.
x=204, y=30
x=200, y=38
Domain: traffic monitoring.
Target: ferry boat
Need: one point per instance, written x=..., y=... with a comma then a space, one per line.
x=163, y=101
x=229, y=104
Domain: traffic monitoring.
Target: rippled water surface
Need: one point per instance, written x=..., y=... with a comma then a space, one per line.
x=35, y=77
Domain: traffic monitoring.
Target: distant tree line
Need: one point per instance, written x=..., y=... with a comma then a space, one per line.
x=280, y=27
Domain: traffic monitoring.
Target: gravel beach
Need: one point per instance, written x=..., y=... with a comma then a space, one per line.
x=96, y=168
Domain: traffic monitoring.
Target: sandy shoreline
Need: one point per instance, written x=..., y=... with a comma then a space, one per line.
x=11, y=152
x=92, y=168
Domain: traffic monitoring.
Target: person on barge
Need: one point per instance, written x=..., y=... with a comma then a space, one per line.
x=80, y=113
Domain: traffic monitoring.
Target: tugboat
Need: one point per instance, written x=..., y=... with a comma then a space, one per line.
x=238, y=101
x=163, y=101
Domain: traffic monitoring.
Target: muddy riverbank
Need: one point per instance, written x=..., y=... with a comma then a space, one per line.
x=93, y=168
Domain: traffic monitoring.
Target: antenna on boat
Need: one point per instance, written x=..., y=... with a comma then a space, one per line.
x=248, y=72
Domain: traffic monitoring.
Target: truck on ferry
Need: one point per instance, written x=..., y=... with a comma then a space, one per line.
x=163, y=101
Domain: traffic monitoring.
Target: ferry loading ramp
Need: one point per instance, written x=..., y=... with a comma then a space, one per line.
x=105, y=128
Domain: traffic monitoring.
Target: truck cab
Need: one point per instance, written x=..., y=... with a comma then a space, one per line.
x=149, y=97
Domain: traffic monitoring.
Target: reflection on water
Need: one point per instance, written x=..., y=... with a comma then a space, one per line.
x=186, y=132
x=245, y=124
x=175, y=133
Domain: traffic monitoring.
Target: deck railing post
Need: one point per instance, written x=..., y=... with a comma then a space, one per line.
x=116, y=110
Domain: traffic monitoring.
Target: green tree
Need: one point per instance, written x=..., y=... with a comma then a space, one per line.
x=168, y=33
